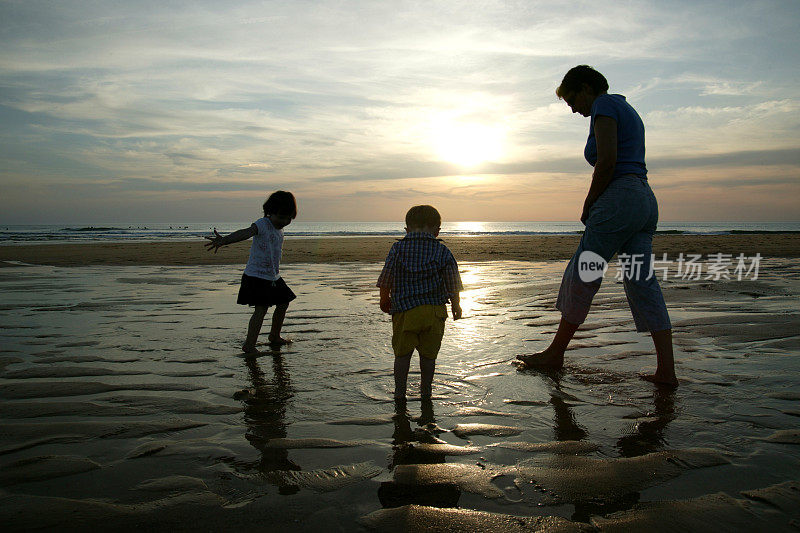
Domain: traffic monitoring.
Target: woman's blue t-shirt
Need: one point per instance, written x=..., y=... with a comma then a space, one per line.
x=630, y=135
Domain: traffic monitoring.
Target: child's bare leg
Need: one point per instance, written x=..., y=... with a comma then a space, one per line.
x=254, y=328
x=553, y=356
x=665, y=369
x=401, y=365
x=426, y=368
x=277, y=323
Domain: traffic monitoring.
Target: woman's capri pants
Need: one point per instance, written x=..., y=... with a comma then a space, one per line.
x=622, y=221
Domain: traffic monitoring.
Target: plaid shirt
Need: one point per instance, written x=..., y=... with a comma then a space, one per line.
x=419, y=270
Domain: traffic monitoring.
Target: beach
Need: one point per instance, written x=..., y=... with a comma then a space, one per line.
x=374, y=249
x=126, y=404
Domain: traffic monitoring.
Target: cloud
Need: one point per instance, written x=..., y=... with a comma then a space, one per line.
x=198, y=98
x=745, y=158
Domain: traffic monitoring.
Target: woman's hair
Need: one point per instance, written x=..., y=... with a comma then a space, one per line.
x=280, y=203
x=423, y=216
x=574, y=79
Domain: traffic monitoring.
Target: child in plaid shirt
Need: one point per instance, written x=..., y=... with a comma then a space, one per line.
x=419, y=277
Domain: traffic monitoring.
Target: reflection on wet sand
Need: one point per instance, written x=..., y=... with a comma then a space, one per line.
x=265, y=416
x=648, y=435
x=565, y=428
x=404, y=452
x=646, y=438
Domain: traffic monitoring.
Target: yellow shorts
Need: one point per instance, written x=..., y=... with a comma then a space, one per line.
x=422, y=328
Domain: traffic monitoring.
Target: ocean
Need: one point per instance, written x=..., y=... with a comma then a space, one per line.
x=144, y=232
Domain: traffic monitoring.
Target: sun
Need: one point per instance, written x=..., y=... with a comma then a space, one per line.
x=467, y=143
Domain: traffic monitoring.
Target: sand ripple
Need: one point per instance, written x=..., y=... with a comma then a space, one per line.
x=570, y=478
x=329, y=479
x=54, y=389
x=14, y=437
x=51, y=513
x=469, y=478
x=492, y=430
x=290, y=444
x=175, y=405
x=197, y=448
x=68, y=372
x=420, y=518
x=443, y=449
x=785, y=436
x=43, y=467
x=479, y=411
x=78, y=409
x=567, y=447
x=172, y=484
x=363, y=421
x=784, y=496
x=713, y=512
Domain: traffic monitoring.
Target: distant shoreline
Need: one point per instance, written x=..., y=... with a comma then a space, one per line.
x=374, y=249
x=102, y=233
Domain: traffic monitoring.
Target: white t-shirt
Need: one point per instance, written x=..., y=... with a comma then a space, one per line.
x=265, y=252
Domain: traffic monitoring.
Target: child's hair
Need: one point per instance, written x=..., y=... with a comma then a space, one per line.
x=280, y=203
x=423, y=216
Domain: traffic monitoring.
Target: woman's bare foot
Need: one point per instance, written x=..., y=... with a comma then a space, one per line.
x=669, y=381
x=549, y=359
x=249, y=349
x=278, y=341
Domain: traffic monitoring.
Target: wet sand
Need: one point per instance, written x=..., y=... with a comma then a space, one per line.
x=374, y=249
x=125, y=404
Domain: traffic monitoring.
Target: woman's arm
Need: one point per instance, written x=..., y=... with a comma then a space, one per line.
x=605, y=133
x=239, y=235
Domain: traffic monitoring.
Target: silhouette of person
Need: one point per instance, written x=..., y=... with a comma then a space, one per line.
x=648, y=435
x=394, y=494
x=265, y=416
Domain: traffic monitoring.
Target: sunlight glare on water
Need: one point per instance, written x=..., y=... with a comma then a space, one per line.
x=468, y=227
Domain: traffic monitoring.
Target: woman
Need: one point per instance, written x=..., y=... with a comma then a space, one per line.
x=620, y=214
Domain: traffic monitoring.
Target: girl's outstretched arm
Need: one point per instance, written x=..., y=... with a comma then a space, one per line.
x=239, y=235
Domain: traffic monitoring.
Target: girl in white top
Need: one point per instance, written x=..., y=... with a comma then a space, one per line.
x=262, y=285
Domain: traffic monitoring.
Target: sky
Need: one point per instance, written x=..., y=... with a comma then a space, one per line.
x=195, y=111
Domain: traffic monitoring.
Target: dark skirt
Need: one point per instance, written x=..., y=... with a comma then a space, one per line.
x=263, y=292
